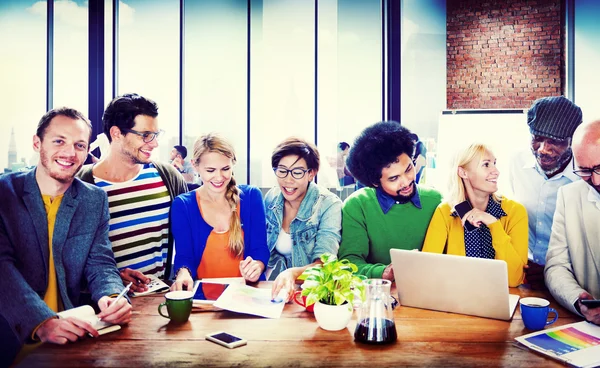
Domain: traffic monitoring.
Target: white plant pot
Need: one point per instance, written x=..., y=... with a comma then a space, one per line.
x=333, y=317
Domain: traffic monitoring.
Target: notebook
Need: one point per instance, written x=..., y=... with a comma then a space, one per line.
x=87, y=313
x=577, y=344
x=457, y=284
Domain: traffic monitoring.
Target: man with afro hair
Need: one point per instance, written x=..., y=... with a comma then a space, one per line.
x=392, y=211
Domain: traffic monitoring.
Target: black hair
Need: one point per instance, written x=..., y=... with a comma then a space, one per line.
x=182, y=150
x=61, y=111
x=122, y=110
x=375, y=148
x=299, y=147
x=343, y=145
x=414, y=137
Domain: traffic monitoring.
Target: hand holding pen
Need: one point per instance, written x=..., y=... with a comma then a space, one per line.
x=115, y=310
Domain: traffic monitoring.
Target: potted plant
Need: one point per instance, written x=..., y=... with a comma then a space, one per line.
x=332, y=287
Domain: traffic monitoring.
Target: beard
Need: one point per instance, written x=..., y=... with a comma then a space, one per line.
x=405, y=199
x=61, y=177
x=560, y=163
x=130, y=153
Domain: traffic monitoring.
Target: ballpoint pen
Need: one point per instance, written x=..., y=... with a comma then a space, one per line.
x=125, y=290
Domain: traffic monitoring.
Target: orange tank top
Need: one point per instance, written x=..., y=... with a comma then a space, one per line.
x=216, y=260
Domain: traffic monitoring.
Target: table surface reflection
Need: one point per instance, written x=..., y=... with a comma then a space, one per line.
x=425, y=338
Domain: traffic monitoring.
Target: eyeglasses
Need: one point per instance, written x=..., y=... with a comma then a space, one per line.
x=297, y=173
x=586, y=173
x=147, y=137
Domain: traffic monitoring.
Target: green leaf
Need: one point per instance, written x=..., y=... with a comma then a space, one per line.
x=332, y=282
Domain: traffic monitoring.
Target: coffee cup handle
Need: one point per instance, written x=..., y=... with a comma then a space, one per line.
x=300, y=302
x=160, y=307
x=552, y=310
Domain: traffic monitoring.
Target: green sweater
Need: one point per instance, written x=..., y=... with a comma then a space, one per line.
x=368, y=234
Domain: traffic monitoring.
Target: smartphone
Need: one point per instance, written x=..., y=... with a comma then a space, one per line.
x=225, y=339
x=590, y=303
x=462, y=208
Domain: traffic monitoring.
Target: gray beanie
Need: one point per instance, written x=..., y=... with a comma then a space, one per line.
x=554, y=117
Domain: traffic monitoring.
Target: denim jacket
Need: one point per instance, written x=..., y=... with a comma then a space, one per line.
x=315, y=230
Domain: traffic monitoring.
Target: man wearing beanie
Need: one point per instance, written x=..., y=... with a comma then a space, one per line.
x=537, y=174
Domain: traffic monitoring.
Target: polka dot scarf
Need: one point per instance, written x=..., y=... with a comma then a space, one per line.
x=478, y=242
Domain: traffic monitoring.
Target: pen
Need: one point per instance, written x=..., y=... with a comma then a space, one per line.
x=123, y=293
x=125, y=290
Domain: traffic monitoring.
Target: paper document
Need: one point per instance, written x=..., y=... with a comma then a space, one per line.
x=577, y=344
x=249, y=300
x=156, y=285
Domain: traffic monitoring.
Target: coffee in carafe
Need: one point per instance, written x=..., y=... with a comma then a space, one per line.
x=376, y=315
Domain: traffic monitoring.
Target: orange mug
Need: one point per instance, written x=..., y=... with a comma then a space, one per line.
x=302, y=301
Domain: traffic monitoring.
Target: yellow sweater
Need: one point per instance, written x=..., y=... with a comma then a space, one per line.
x=509, y=237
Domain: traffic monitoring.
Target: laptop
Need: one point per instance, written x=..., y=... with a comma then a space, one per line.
x=457, y=284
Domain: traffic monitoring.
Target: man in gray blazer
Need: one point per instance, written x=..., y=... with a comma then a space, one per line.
x=573, y=261
x=54, y=242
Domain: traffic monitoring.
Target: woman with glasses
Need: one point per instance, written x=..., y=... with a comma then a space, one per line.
x=219, y=228
x=476, y=222
x=303, y=219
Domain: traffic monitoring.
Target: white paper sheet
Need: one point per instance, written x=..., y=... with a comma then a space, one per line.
x=250, y=300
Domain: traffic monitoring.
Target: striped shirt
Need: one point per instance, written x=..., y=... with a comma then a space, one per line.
x=139, y=221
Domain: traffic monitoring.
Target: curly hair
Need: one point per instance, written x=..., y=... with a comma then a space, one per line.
x=375, y=148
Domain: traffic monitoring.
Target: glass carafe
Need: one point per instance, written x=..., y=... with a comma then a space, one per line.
x=375, y=324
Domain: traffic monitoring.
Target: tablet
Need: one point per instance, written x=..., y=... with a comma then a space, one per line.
x=207, y=292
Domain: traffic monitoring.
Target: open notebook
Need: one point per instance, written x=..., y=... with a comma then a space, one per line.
x=87, y=313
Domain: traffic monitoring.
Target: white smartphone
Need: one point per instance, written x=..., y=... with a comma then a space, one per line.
x=225, y=339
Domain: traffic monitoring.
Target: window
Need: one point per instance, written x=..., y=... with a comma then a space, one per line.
x=22, y=77
x=71, y=54
x=423, y=75
x=215, y=97
x=587, y=50
x=349, y=76
x=148, y=61
x=282, y=79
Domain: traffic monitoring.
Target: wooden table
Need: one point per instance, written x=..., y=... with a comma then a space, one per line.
x=425, y=338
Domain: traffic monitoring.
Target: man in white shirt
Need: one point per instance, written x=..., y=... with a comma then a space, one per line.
x=536, y=174
x=573, y=261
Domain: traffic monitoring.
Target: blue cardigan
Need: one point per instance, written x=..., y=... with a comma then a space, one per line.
x=191, y=231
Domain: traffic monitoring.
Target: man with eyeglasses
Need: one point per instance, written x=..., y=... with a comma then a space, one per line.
x=536, y=174
x=573, y=260
x=393, y=211
x=140, y=190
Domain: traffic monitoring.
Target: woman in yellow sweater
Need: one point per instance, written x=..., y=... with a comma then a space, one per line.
x=500, y=224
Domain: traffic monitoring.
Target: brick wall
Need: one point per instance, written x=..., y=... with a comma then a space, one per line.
x=503, y=54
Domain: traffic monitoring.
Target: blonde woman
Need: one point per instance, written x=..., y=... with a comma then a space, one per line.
x=219, y=228
x=499, y=225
